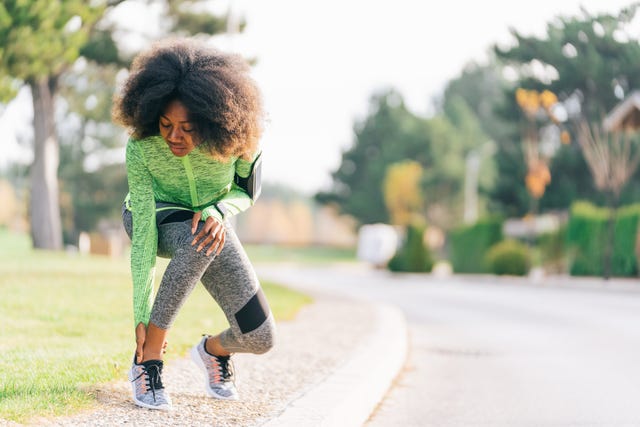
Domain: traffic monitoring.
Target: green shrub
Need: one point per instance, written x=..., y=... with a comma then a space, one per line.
x=414, y=256
x=468, y=245
x=586, y=238
x=587, y=234
x=623, y=260
x=509, y=257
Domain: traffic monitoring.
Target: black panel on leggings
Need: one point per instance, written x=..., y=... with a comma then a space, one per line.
x=254, y=313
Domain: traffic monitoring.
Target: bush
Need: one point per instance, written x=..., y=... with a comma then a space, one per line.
x=508, y=257
x=624, y=261
x=468, y=245
x=414, y=256
x=587, y=239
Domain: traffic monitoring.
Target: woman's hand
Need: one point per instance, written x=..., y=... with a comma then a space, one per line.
x=141, y=337
x=141, y=334
x=212, y=234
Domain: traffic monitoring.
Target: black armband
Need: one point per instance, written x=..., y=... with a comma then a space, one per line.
x=252, y=184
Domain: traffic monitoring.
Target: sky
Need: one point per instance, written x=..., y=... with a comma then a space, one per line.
x=318, y=63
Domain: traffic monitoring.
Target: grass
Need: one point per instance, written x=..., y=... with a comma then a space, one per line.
x=67, y=326
x=301, y=254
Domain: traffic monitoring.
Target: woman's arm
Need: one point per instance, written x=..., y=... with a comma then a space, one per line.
x=238, y=198
x=144, y=241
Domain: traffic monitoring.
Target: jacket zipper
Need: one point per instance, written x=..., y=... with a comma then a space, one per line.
x=192, y=183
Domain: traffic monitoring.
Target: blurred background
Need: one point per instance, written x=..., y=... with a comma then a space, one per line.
x=467, y=137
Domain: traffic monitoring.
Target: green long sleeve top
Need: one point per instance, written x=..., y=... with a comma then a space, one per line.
x=195, y=181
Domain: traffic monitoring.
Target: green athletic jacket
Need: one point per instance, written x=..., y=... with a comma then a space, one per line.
x=195, y=181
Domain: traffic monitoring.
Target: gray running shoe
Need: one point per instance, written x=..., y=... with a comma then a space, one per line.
x=146, y=383
x=218, y=370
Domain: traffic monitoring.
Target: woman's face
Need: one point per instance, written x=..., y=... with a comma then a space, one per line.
x=176, y=129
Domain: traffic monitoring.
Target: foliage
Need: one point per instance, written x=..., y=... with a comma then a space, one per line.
x=586, y=234
x=402, y=192
x=612, y=157
x=624, y=261
x=593, y=57
x=40, y=38
x=414, y=255
x=590, y=62
x=468, y=244
x=481, y=88
x=390, y=134
x=508, y=257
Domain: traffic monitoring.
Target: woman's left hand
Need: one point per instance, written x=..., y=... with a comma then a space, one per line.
x=212, y=234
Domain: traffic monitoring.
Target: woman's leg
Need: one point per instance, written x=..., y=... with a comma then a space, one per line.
x=232, y=282
x=182, y=273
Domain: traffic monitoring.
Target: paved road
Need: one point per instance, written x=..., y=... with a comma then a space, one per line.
x=502, y=354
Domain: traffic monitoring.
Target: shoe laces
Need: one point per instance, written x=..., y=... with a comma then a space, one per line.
x=153, y=378
x=223, y=368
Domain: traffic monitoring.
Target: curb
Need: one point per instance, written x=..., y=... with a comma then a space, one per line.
x=349, y=395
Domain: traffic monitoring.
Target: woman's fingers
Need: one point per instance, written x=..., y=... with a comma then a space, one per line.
x=194, y=221
x=211, y=236
x=218, y=242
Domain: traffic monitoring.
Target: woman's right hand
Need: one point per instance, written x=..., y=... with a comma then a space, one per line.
x=141, y=334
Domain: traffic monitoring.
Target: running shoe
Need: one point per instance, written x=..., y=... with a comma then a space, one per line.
x=219, y=381
x=146, y=383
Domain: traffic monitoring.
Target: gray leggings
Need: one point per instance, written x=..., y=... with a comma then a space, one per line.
x=229, y=278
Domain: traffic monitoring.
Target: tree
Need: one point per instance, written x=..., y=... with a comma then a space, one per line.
x=402, y=192
x=481, y=88
x=390, y=133
x=590, y=62
x=39, y=41
x=613, y=157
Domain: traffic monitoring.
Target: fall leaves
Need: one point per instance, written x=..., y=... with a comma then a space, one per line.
x=537, y=105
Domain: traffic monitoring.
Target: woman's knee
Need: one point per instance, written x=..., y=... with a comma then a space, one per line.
x=262, y=339
x=257, y=341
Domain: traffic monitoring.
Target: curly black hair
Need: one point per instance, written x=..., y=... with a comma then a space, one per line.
x=223, y=101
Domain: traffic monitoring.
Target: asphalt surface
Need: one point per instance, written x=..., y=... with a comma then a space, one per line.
x=486, y=351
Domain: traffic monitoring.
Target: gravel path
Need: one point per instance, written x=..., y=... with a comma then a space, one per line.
x=266, y=383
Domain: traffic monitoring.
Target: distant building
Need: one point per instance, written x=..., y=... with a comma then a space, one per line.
x=625, y=116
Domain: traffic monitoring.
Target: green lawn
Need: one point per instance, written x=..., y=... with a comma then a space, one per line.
x=66, y=325
x=302, y=254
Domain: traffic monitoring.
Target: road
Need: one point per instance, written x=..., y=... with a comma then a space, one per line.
x=502, y=353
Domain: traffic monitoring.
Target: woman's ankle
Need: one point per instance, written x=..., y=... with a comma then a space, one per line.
x=213, y=346
x=151, y=356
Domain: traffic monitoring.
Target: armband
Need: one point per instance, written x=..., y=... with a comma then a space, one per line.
x=252, y=184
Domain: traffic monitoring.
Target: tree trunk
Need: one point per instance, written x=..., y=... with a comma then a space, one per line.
x=46, y=228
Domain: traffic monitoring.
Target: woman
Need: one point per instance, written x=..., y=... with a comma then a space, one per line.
x=195, y=118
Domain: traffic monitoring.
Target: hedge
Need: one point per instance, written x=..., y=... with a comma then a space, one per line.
x=587, y=233
x=468, y=245
x=414, y=256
